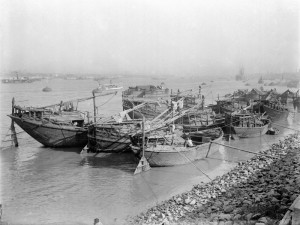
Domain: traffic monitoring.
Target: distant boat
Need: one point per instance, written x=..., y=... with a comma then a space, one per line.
x=107, y=88
x=47, y=89
x=260, y=81
x=18, y=80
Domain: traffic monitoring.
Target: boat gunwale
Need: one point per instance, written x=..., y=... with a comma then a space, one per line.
x=195, y=147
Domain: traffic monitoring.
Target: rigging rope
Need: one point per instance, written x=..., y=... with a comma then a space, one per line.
x=108, y=100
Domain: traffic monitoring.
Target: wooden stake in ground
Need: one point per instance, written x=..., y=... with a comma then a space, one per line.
x=143, y=164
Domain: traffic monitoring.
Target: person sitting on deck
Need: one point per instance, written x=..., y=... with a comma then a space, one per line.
x=172, y=128
x=189, y=142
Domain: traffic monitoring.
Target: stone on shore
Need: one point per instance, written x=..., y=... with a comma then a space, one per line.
x=258, y=191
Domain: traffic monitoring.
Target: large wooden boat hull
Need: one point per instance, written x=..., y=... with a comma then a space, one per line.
x=198, y=127
x=110, y=144
x=245, y=132
x=53, y=135
x=111, y=137
x=168, y=155
x=276, y=114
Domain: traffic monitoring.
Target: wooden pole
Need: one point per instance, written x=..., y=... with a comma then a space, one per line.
x=94, y=104
x=143, y=164
x=12, y=126
x=208, y=149
x=143, y=141
x=230, y=127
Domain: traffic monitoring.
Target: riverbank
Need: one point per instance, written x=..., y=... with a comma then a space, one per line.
x=258, y=191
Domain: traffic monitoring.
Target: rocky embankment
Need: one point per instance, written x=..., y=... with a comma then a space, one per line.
x=258, y=191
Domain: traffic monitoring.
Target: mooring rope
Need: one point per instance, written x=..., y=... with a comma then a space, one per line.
x=243, y=150
x=285, y=127
x=193, y=164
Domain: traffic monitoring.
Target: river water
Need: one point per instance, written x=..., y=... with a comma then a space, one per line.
x=42, y=185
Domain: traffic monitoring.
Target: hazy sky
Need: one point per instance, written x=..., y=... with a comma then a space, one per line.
x=159, y=37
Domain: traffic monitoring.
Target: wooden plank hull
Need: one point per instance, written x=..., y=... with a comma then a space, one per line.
x=245, y=132
x=193, y=128
x=53, y=135
x=276, y=114
x=111, y=144
x=149, y=112
x=170, y=155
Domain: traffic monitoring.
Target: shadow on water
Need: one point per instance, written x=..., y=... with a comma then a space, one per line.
x=68, y=149
x=125, y=161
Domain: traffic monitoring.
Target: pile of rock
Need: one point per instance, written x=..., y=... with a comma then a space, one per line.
x=258, y=191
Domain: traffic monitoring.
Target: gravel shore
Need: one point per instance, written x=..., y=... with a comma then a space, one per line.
x=258, y=191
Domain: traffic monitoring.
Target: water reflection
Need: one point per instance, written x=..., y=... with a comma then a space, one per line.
x=126, y=162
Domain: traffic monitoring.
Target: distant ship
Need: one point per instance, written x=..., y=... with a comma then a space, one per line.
x=260, y=81
x=47, y=89
x=107, y=88
x=17, y=80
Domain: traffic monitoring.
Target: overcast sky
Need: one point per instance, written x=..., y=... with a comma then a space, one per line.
x=159, y=37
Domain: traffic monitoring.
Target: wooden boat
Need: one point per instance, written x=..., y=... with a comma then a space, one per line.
x=58, y=125
x=52, y=129
x=190, y=98
x=276, y=111
x=172, y=149
x=107, y=88
x=201, y=120
x=157, y=97
x=111, y=137
x=112, y=134
x=246, y=125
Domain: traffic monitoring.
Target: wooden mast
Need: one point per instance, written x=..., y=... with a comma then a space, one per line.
x=94, y=104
